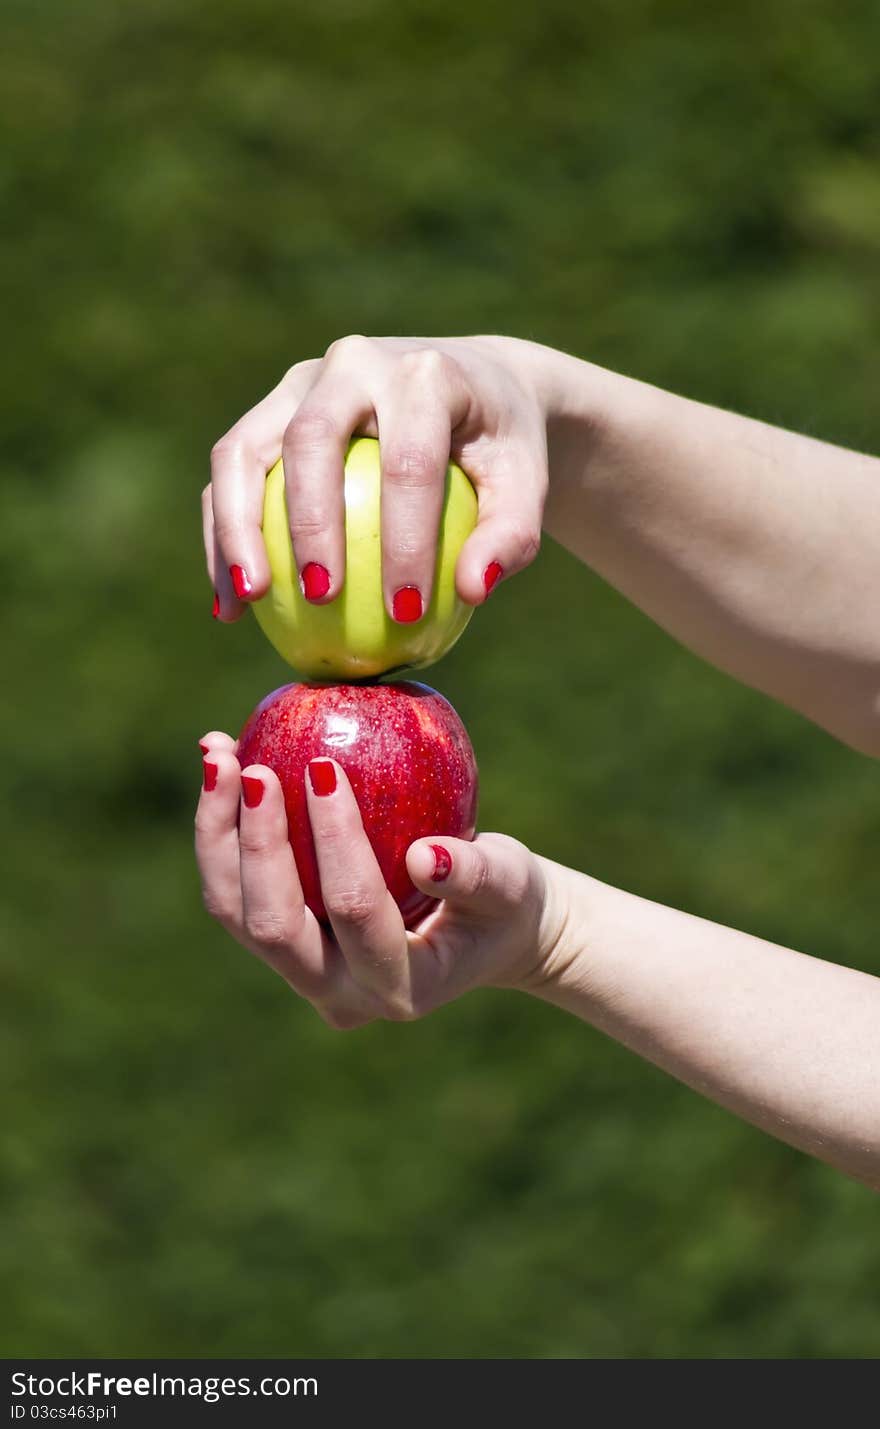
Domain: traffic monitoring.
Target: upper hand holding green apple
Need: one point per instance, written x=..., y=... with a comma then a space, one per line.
x=472, y=401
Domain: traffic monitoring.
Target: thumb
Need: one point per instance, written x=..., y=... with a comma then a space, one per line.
x=507, y=536
x=489, y=876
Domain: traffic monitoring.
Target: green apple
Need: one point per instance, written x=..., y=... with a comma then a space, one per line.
x=353, y=637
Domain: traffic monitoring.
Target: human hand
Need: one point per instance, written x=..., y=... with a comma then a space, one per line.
x=497, y=922
x=477, y=401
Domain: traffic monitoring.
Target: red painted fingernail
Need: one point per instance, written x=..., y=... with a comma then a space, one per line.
x=407, y=604
x=205, y=748
x=209, y=776
x=322, y=776
x=492, y=575
x=315, y=581
x=253, y=791
x=442, y=863
x=215, y=608
x=241, y=581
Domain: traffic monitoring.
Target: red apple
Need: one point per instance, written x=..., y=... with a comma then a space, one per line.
x=406, y=753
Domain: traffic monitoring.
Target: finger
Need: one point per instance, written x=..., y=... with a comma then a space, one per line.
x=314, y=447
x=226, y=606
x=216, y=740
x=217, y=838
x=507, y=536
x=489, y=876
x=416, y=416
x=363, y=915
x=278, y=926
x=492, y=893
x=239, y=462
x=208, y=530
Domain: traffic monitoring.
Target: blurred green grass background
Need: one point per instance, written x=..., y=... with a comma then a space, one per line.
x=197, y=193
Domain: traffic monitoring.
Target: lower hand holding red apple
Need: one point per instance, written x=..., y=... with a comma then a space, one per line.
x=785, y=1040
x=493, y=927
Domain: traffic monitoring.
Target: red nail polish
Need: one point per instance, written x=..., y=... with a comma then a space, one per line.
x=315, y=581
x=209, y=779
x=241, y=581
x=407, y=605
x=215, y=609
x=253, y=791
x=491, y=576
x=205, y=748
x=322, y=776
x=442, y=863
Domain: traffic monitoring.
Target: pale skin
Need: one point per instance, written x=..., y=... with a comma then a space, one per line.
x=757, y=548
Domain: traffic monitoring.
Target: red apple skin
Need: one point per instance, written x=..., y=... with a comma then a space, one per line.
x=408, y=758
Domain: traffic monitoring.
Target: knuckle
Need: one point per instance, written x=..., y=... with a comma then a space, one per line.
x=478, y=875
x=299, y=370
x=226, y=448
x=353, y=907
x=256, y=840
x=428, y=364
x=266, y=929
x=412, y=465
x=509, y=844
x=517, y=884
x=205, y=827
x=348, y=349
x=309, y=431
x=341, y=1019
x=227, y=531
x=526, y=538
x=336, y=836
x=410, y=547
x=308, y=524
x=216, y=906
x=399, y=1009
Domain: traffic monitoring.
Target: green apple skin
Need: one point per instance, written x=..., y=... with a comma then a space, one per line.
x=353, y=637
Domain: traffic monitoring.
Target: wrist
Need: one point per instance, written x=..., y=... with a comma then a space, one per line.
x=590, y=413
x=599, y=425
x=578, y=968
x=601, y=428
x=562, y=937
x=564, y=387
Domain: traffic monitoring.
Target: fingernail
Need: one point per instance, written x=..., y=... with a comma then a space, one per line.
x=322, y=776
x=442, y=863
x=253, y=791
x=209, y=773
x=205, y=748
x=491, y=576
x=241, y=581
x=215, y=609
x=315, y=581
x=407, y=604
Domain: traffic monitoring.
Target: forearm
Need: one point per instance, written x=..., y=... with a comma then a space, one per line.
x=756, y=547
x=786, y=1041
